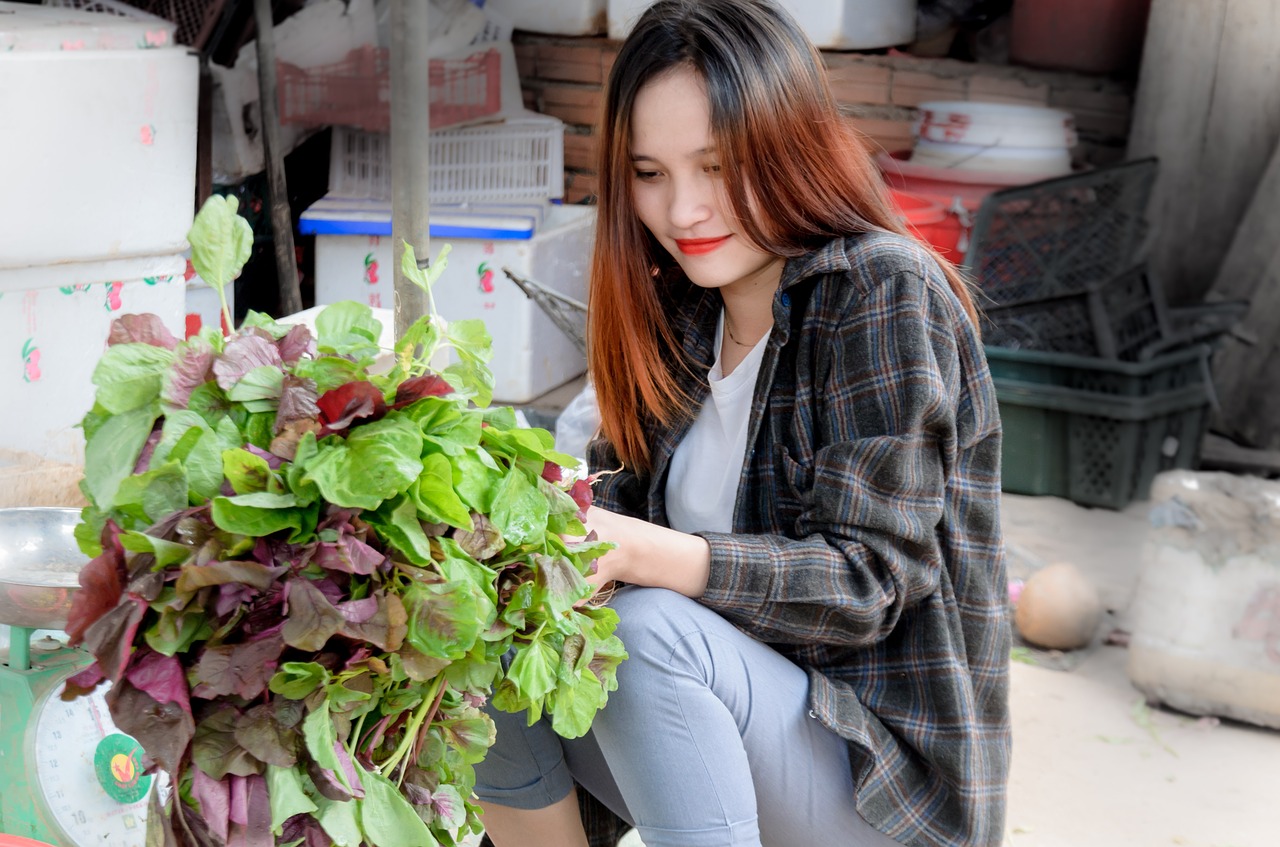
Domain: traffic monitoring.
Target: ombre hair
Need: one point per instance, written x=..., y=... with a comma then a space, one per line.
x=777, y=129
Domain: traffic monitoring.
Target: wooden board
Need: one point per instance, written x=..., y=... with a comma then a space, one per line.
x=1209, y=107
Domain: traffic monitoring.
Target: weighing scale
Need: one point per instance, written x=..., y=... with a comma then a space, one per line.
x=67, y=775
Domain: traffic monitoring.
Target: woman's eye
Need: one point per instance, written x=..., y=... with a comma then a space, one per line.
x=711, y=169
x=646, y=176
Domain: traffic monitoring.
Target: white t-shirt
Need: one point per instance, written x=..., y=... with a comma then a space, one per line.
x=702, y=484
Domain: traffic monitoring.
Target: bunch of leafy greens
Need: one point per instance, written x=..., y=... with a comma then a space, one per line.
x=306, y=575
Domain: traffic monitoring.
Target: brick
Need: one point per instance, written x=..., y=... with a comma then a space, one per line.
x=580, y=151
x=572, y=104
x=1103, y=124
x=607, y=58
x=527, y=60
x=1007, y=90
x=579, y=186
x=910, y=88
x=530, y=98
x=569, y=63
x=881, y=134
x=860, y=83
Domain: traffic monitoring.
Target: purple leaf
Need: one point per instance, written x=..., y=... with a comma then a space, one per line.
x=83, y=682
x=239, y=812
x=344, y=405
x=163, y=729
x=214, y=797
x=349, y=770
x=305, y=829
x=148, y=450
x=296, y=343
x=101, y=583
x=160, y=676
x=327, y=782
x=231, y=596
x=191, y=369
x=143, y=329
x=240, y=669
x=297, y=402
x=312, y=619
x=348, y=555
x=273, y=461
x=386, y=629
x=359, y=611
x=242, y=354
x=581, y=494
x=261, y=733
x=414, y=389
x=195, y=577
x=416, y=794
x=110, y=638
x=285, y=443
x=214, y=748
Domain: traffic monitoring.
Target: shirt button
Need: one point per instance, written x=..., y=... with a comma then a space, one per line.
x=786, y=299
x=813, y=714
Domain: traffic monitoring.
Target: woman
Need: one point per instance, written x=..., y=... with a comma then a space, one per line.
x=806, y=444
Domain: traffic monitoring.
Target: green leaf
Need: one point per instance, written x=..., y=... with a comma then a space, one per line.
x=576, y=704
x=153, y=495
x=533, y=670
x=188, y=438
x=471, y=378
x=338, y=818
x=262, y=514
x=475, y=481
x=320, y=738
x=176, y=630
x=348, y=328
x=248, y=472
x=519, y=510
x=329, y=372
x=112, y=452
x=288, y=796
x=434, y=496
x=259, y=389
x=221, y=241
x=262, y=320
x=423, y=279
x=471, y=339
x=209, y=402
x=376, y=462
x=396, y=522
x=471, y=735
x=445, y=619
x=166, y=552
x=388, y=819
x=129, y=376
x=296, y=680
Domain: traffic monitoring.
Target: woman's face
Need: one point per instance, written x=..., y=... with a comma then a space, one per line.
x=679, y=195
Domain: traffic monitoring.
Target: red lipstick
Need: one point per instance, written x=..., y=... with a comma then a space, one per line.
x=699, y=246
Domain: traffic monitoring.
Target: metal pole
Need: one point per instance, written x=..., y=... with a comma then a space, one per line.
x=410, y=151
x=281, y=219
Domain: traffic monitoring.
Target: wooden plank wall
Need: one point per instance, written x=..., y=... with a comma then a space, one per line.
x=1208, y=105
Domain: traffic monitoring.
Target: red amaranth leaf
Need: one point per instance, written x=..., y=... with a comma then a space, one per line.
x=163, y=729
x=101, y=584
x=83, y=682
x=297, y=402
x=581, y=494
x=242, y=354
x=161, y=677
x=141, y=329
x=192, y=368
x=412, y=390
x=214, y=797
x=348, y=403
x=296, y=343
x=552, y=472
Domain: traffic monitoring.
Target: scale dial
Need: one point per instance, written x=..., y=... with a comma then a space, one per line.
x=88, y=774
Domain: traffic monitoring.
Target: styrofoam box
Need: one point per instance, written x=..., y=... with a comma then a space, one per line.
x=98, y=133
x=553, y=17
x=54, y=322
x=831, y=24
x=354, y=257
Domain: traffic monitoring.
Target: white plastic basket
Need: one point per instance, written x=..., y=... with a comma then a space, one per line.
x=518, y=159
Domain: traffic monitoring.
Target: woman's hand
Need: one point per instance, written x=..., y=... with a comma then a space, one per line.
x=649, y=555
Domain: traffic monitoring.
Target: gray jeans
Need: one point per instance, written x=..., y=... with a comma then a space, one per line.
x=706, y=743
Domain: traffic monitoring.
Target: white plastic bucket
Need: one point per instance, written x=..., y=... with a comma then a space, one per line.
x=995, y=125
x=1035, y=162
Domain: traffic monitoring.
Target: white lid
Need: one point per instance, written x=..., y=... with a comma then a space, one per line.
x=28, y=28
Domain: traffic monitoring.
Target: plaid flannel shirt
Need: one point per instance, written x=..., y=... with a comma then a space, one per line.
x=867, y=544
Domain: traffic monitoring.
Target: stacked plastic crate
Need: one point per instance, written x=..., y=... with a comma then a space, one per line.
x=495, y=190
x=1101, y=384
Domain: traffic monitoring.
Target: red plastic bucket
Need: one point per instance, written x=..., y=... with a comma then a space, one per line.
x=19, y=841
x=931, y=221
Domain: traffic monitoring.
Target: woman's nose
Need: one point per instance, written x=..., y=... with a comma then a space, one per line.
x=692, y=202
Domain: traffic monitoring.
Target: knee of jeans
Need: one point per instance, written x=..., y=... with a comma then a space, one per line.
x=655, y=623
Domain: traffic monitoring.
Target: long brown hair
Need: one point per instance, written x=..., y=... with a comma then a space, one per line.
x=777, y=129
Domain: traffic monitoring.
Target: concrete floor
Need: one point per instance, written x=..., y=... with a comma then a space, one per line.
x=1093, y=764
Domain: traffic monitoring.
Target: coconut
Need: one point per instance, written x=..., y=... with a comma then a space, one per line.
x=1059, y=608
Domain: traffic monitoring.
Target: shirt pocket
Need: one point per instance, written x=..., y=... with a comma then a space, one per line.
x=793, y=491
